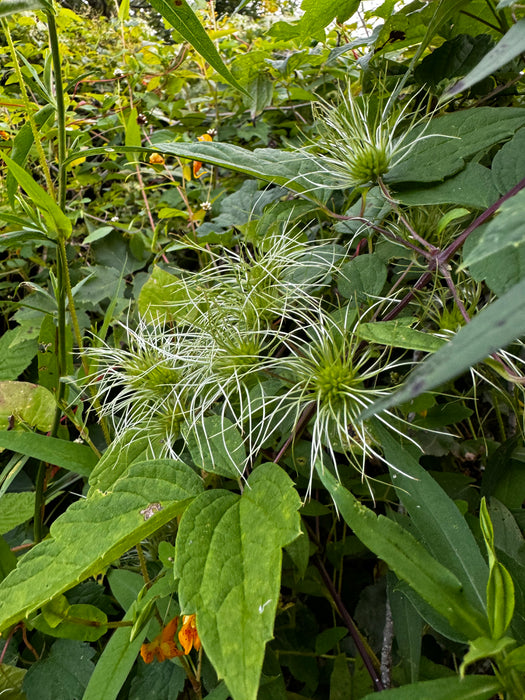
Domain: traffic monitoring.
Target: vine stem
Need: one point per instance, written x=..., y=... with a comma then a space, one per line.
x=365, y=653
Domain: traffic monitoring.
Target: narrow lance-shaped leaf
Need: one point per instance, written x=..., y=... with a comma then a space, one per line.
x=95, y=531
x=409, y=560
x=443, y=529
x=56, y=217
x=180, y=15
x=494, y=327
x=228, y=559
x=69, y=455
x=469, y=688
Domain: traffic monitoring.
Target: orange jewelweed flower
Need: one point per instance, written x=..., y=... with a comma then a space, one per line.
x=156, y=159
x=197, y=165
x=188, y=635
x=163, y=646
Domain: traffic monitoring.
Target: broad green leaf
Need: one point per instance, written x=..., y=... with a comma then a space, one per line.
x=442, y=528
x=129, y=448
x=298, y=171
x=505, y=231
x=409, y=560
x=228, y=559
x=494, y=327
x=83, y=622
x=361, y=277
x=63, y=674
x=319, y=13
x=447, y=142
x=158, y=681
x=180, y=15
x=471, y=187
x=10, y=7
x=398, y=335
x=452, y=59
x=15, y=508
x=107, y=524
x=68, y=455
x=516, y=659
x=27, y=403
x=22, y=145
x=468, y=688
x=15, y=354
x=508, y=48
x=508, y=166
x=61, y=225
x=216, y=446
x=11, y=681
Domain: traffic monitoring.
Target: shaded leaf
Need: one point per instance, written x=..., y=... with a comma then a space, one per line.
x=409, y=559
x=508, y=166
x=63, y=674
x=364, y=275
x=451, y=139
x=468, y=688
x=510, y=46
x=10, y=7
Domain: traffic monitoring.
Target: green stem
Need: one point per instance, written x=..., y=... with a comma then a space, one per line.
x=29, y=110
x=61, y=109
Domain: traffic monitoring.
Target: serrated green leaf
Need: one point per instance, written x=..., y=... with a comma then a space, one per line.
x=398, y=335
x=451, y=139
x=468, y=688
x=506, y=231
x=61, y=225
x=510, y=46
x=494, y=327
x=68, y=455
x=165, y=298
x=228, y=559
x=409, y=560
x=180, y=15
x=108, y=523
x=28, y=403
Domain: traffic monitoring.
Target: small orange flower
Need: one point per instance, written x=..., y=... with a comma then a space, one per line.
x=163, y=646
x=156, y=159
x=197, y=165
x=6, y=136
x=188, y=635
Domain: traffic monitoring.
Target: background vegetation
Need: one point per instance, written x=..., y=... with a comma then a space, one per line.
x=261, y=383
